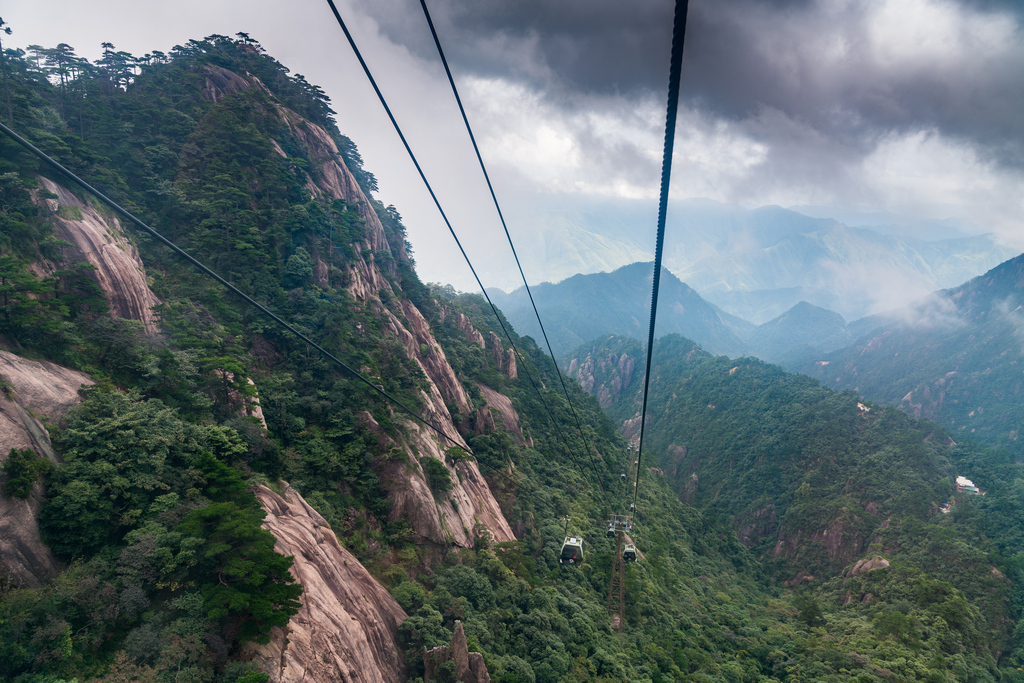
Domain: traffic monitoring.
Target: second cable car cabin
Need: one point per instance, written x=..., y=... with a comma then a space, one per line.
x=629, y=553
x=572, y=551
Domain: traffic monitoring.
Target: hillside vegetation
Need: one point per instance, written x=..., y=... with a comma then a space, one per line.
x=812, y=480
x=956, y=357
x=168, y=575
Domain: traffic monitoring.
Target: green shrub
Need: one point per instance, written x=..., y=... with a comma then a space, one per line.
x=439, y=479
x=23, y=469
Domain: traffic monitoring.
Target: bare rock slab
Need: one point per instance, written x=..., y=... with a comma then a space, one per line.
x=35, y=390
x=347, y=626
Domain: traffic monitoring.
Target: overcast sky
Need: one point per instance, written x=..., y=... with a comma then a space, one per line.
x=912, y=106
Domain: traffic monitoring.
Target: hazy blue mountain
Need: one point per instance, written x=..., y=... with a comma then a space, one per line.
x=956, y=357
x=801, y=330
x=893, y=223
x=763, y=271
x=756, y=264
x=587, y=306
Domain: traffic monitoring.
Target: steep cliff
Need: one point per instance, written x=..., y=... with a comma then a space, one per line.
x=33, y=391
x=346, y=629
x=98, y=240
x=470, y=503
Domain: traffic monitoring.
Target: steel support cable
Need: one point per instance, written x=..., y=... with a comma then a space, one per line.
x=188, y=257
x=494, y=198
x=675, y=69
x=437, y=203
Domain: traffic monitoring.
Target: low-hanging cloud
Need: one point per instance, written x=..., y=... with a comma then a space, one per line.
x=794, y=101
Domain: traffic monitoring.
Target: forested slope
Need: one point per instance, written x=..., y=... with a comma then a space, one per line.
x=185, y=464
x=812, y=480
x=956, y=357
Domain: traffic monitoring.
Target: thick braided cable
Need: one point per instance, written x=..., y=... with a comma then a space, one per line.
x=675, y=70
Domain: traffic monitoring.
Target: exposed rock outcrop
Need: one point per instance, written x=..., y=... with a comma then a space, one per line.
x=34, y=390
x=604, y=374
x=365, y=281
x=346, y=628
x=504, y=359
x=248, y=405
x=469, y=666
x=329, y=174
x=869, y=564
x=842, y=537
x=510, y=368
x=220, y=82
x=333, y=178
x=454, y=518
x=502, y=404
x=433, y=361
x=99, y=241
x=473, y=335
x=469, y=508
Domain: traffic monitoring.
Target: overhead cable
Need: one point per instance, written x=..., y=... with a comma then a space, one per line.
x=494, y=198
x=188, y=257
x=675, y=69
x=437, y=203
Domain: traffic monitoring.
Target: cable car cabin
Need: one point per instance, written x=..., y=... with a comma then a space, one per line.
x=611, y=532
x=572, y=551
x=622, y=477
x=629, y=553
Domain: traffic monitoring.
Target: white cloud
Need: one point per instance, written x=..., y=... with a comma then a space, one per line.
x=923, y=169
x=935, y=34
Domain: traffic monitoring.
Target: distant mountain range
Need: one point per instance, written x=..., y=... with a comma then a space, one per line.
x=758, y=264
x=583, y=307
x=956, y=357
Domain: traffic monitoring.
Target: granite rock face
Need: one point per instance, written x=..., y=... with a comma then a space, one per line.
x=347, y=625
x=99, y=241
x=34, y=391
x=470, y=509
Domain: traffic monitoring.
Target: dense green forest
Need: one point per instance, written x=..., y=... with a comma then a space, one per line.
x=812, y=480
x=168, y=573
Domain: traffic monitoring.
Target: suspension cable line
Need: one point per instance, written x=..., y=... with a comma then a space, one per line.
x=675, y=69
x=494, y=198
x=189, y=258
x=437, y=203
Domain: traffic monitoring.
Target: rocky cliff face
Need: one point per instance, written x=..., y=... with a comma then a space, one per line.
x=99, y=241
x=606, y=372
x=346, y=627
x=456, y=518
x=33, y=391
x=501, y=404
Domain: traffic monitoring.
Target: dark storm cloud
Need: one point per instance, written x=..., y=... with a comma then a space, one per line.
x=816, y=63
x=740, y=61
x=595, y=46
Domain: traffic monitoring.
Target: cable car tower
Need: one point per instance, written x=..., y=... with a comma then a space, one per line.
x=618, y=526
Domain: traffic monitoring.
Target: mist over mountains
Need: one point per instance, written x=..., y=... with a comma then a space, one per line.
x=955, y=357
x=757, y=264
